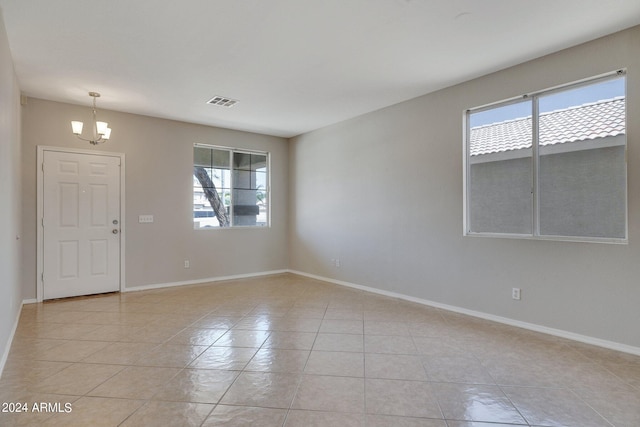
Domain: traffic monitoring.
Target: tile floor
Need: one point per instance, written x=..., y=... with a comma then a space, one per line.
x=290, y=351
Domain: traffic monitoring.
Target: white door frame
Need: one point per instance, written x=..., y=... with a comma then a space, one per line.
x=40, y=217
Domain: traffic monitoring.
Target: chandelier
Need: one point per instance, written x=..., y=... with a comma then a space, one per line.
x=101, y=130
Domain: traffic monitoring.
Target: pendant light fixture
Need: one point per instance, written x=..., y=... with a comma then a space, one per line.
x=101, y=130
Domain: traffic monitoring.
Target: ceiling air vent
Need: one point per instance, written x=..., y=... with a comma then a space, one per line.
x=222, y=101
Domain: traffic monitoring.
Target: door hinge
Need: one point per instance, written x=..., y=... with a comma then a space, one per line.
x=42, y=277
x=42, y=166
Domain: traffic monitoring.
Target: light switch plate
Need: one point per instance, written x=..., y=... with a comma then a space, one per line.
x=145, y=218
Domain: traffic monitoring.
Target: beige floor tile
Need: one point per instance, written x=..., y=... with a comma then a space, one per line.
x=78, y=379
x=61, y=331
x=242, y=338
x=32, y=348
x=255, y=323
x=111, y=333
x=146, y=318
x=603, y=355
x=170, y=356
x=290, y=340
x=588, y=376
x=224, y=358
x=271, y=311
x=63, y=316
x=197, y=385
x=338, y=314
x=479, y=424
x=197, y=336
x=391, y=421
x=182, y=319
x=456, y=369
x=418, y=313
x=286, y=348
x=298, y=418
x=278, y=360
x=307, y=313
x=135, y=382
x=217, y=322
x=169, y=414
x=430, y=346
x=73, y=351
x=292, y=324
x=342, y=364
x=553, y=407
x=476, y=403
x=339, y=342
x=522, y=373
x=28, y=372
x=120, y=353
x=324, y=393
x=389, y=344
x=394, y=366
x=106, y=318
x=438, y=328
x=374, y=327
x=95, y=412
x=264, y=389
x=153, y=334
x=243, y=416
x=383, y=313
x=230, y=311
x=347, y=304
x=630, y=374
x=401, y=398
x=331, y=326
x=621, y=407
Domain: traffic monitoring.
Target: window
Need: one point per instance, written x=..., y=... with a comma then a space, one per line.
x=230, y=187
x=550, y=165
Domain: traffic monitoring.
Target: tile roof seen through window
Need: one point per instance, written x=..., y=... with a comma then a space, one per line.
x=580, y=123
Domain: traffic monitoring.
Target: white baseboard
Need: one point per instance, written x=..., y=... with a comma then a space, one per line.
x=7, y=349
x=504, y=320
x=29, y=301
x=201, y=281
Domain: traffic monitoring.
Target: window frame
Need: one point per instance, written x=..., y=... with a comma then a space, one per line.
x=232, y=151
x=535, y=163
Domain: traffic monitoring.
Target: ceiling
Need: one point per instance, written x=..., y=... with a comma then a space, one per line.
x=293, y=65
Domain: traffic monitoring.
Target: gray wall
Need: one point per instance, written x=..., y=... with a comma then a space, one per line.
x=10, y=289
x=159, y=181
x=383, y=193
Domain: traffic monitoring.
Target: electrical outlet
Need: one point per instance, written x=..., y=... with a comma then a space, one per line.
x=337, y=263
x=187, y=264
x=515, y=293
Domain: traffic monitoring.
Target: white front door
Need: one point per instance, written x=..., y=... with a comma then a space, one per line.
x=81, y=224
